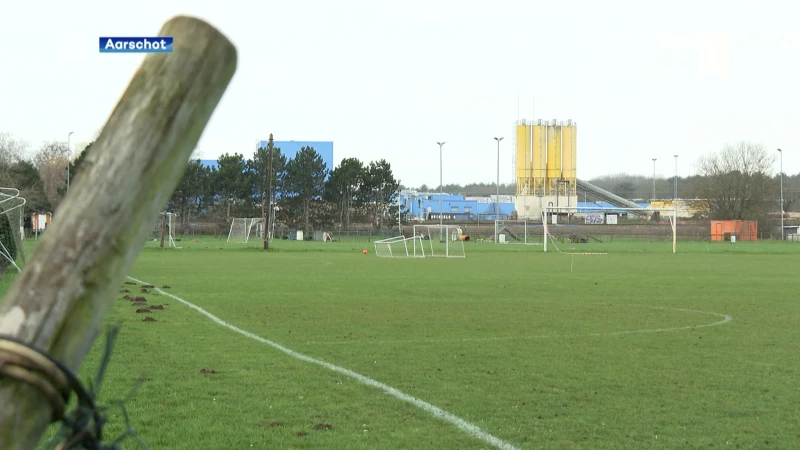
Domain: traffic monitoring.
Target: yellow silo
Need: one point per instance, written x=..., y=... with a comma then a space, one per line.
x=568, y=154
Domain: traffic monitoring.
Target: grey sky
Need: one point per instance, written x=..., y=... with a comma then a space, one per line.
x=389, y=79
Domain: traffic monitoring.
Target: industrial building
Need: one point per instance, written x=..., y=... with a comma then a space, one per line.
x=425, y=206
x=546, y=161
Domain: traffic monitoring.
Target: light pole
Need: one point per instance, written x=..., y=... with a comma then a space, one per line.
x=441, y=190
x=676, y=178
x=781, y=152
x=69, y=153
x=497, y=199
x=654, y=180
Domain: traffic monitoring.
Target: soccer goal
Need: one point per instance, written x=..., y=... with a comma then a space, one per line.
x=166, y=224
x=12, y=208
x=567, y=228
x=400, y=247
x=516, y=232
x=442, y=241
x=243, y=229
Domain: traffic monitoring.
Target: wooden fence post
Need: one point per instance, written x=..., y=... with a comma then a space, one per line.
x=59, y=301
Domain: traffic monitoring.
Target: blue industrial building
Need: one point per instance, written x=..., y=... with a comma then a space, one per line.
x=290, y=149
x=425, y=205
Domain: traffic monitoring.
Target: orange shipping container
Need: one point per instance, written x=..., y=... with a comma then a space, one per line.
x=743, y=230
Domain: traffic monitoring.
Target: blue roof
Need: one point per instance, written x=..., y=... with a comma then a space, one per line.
x=588, y=207
x=290, y=149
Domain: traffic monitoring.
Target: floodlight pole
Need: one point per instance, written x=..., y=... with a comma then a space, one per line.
x=69, y=152
x=441, y=190
x=497, y=199
x=676, y=178
x=781, y=152
x=654, y=180
x=268, y=194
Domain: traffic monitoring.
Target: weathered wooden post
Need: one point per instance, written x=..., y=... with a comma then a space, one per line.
x=59, y=301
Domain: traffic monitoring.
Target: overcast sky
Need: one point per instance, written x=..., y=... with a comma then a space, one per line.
x=387, y=80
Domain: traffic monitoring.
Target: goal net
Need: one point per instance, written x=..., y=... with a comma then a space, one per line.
x=400, y=247
x=443, y=241
x=166, y=223
x=516, y=232
x=244, y=229
x=595, y=230
x=11, y=229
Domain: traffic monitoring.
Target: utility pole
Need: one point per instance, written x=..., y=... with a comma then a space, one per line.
x=441, y=193
x=69, y=156
x=654, y=180
x=268, y=195
x=781, y=152
x=497, y=198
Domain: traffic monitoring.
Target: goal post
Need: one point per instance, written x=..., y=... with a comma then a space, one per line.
x=164, y=229
x=245, y=228
x=400, y=247
x=442, y=241
x=581, y=225
x=11, y=237
x=516, y=232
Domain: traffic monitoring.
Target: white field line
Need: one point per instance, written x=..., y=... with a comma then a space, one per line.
x=461, y=424
x=725, y=319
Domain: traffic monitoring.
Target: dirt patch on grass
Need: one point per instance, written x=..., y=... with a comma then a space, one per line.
x=302, y=433
x=156, y=306
x=147, y=286
x=143, y=310
x=130, y=283
x=122, y=291
x=208, y=372
x=166, y=286
x=323, y=426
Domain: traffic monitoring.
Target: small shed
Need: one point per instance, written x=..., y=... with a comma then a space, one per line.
x=741, y=230
x=791, y=232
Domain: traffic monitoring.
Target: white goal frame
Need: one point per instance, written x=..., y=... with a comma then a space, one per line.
x=400, y=247
x=11, y=201
x=549, y=210
x=527, y=236
x=441, y=241
x=246, y=225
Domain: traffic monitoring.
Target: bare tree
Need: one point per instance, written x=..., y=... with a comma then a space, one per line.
x=51, y=161
x=12, y=151
x=736, y=183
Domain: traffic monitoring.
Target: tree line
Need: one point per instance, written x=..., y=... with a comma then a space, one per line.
x=737, y=182
x=305, y=193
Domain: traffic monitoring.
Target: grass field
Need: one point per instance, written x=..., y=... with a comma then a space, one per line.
x=636, y=348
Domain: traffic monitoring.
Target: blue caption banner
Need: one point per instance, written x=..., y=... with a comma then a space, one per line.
x=156, y=44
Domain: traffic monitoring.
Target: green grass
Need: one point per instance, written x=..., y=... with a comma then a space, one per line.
x=508, y=339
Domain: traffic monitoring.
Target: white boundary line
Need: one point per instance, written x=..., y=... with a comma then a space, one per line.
x=725, y=319
x=461, y=424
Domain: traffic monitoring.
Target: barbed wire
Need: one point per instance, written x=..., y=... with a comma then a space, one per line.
x=82, y=428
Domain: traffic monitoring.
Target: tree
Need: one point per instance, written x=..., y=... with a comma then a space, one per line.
x=624, y=189
x=342, y=187
x=737, y=182
x=231, y=180
x=305, y=180
x=51, y=162
x=257, y=168
x=379, y=188
x=190, y=190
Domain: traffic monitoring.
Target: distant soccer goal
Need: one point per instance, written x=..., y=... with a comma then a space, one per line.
x=442, y=241
x=12, y=207
x=166, y=224
x=516, y=232
x=400, y=247
x=244, y=229
x=566, y=228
